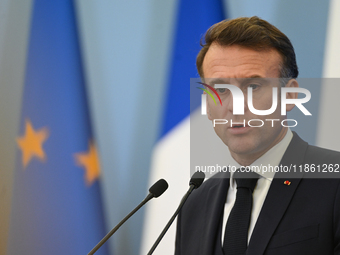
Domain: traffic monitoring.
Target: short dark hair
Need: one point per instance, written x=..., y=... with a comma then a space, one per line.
x=253, y=33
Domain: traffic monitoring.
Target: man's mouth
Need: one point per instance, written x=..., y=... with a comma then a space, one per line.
x=239, y=125
x=239, y=129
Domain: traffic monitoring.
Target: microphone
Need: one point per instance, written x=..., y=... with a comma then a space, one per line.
x=195, y=181
x=155, y=191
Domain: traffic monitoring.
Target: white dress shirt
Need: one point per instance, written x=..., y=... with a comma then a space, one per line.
x=272, y=158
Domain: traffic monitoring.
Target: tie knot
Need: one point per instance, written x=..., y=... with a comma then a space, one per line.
x=246, y=180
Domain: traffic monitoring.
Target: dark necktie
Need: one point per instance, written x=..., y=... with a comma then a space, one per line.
x=236, y=231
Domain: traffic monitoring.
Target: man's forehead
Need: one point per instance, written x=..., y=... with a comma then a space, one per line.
x=240, y=62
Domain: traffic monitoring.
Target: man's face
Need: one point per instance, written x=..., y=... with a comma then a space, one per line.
x=244, y=68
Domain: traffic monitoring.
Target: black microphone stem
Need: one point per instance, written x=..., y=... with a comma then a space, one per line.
x=150, y=196
x=191, y=188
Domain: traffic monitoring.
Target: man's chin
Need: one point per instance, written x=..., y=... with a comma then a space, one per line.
x=241, y=149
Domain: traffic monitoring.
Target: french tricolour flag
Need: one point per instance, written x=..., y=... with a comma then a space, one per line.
x=171, y=157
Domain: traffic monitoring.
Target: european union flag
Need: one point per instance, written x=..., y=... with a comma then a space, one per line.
x=56, y=206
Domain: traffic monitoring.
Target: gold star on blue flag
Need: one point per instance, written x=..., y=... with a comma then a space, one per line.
x=90, y=162
x=31, y=143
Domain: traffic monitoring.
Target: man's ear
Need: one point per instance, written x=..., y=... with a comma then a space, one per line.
x=292, y=83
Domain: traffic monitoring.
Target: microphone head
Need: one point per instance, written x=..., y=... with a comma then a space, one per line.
x=158, y=188
x=197, y=179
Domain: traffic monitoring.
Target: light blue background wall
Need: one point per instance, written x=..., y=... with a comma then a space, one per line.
x=14, y=20
x=126, y=46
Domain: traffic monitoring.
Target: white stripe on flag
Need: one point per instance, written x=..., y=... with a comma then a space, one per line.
x=171, y=161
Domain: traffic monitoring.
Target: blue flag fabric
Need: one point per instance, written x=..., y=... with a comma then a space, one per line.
x=194, y=17
x=56, y=205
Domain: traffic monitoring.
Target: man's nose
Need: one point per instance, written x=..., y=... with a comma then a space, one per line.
x=239, y=103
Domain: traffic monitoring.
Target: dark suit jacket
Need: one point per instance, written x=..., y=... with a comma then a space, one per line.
x=301, y=218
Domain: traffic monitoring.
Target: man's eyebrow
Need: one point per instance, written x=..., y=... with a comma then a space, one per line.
x=255, y=77
x=218, y=81
x=213, y=81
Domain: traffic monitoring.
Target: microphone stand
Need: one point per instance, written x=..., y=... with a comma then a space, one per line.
x=108, y=235
x=191, y=188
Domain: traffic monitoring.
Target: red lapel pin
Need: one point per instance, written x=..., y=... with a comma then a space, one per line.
x=287, y=182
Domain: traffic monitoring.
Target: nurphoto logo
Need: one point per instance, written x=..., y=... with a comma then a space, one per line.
x=239, y=100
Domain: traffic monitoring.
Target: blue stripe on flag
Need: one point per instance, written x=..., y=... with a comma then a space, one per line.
x=56, y=207
x=194, y=17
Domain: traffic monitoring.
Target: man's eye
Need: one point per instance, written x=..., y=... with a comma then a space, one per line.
x=254, y=86
x=221, y=90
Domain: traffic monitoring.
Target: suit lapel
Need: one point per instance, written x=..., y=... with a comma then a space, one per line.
x=214, y=206
x=278, y=198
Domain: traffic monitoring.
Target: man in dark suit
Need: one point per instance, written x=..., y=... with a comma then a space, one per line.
x=289, y=213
